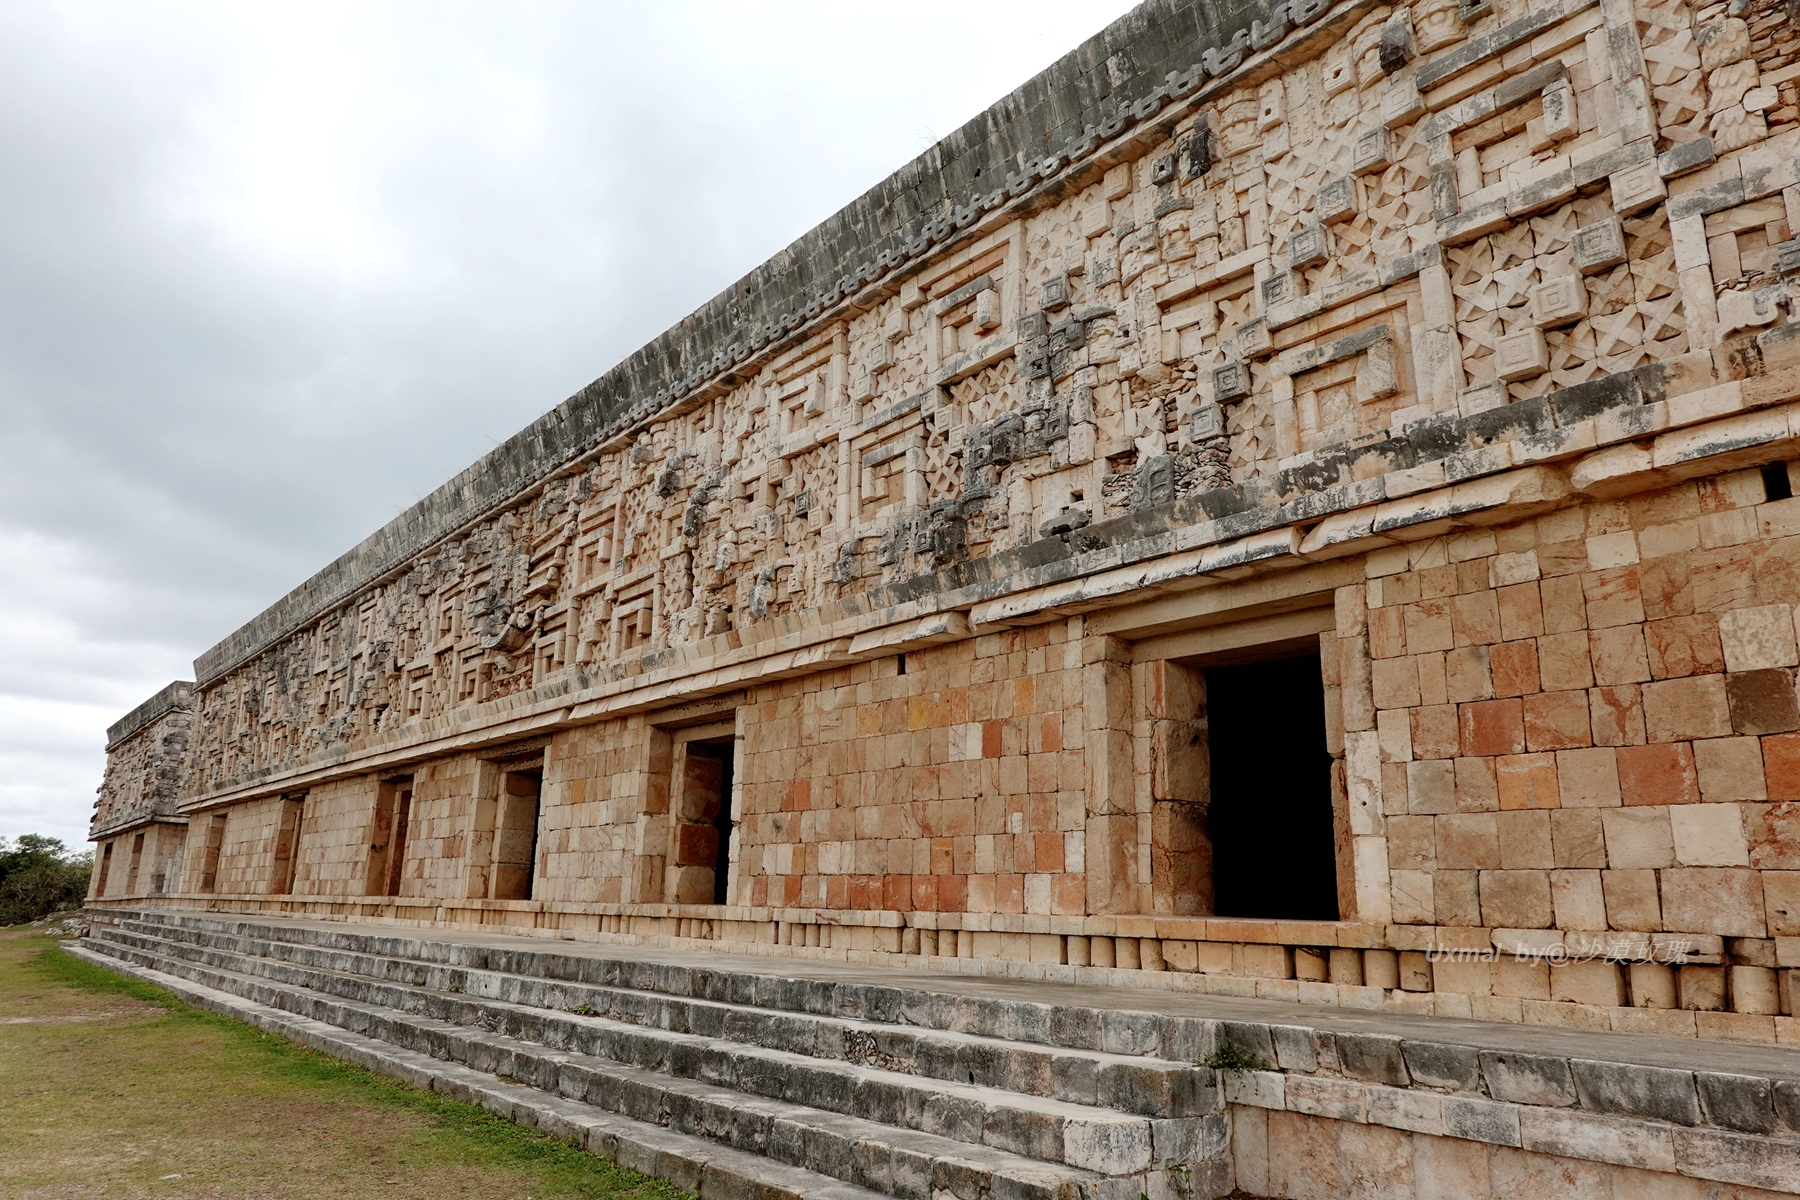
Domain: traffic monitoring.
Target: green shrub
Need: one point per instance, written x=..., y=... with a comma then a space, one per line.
x=40, y=876
x=1231, y=1058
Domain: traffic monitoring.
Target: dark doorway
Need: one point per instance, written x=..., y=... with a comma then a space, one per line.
x=105, y=869
x=1270, y=814
x=387, y=837
x=397, y=847
x=515, y=834
x=722, y=754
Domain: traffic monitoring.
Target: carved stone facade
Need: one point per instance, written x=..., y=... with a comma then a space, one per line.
x=137, y=817
x=893, y=604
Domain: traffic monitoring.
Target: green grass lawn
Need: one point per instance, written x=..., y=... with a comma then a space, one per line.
x=111, y=1087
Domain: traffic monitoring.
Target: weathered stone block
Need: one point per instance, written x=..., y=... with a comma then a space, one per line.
x=1308, y=246
x=1521, y=355
x=1559, y=301
x=1528, y=1078
x=1763, y=702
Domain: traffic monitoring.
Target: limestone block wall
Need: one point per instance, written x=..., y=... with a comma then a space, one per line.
x=1587, y=722
x=146, y=860
x=333, y=845
x=1628, y=663
x=598, y=793
x=958, y=786
x=244, y=839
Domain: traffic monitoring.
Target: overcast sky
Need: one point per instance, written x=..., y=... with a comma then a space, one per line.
x=269, y=274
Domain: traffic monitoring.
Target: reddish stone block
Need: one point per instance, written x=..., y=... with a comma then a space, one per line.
x=1577, y=835
x=1613, y=597
x=992, y=735
x=1456, y=898
x=696, y=845
x=1661, y=508
x=1565, y=605
x=1681, y=710
x=1400, y=589
x=1068, y=893
x=1721, y=900
x=1632, y=902
x=1429, y=626
x=1527, y=781
x=1437, y=582
x=1525, y=841
x=1475, y=617
x=1396, y=683
x=1565, y=661
x=1781, y=766
x=943, y=855
x=1514, y=668
x=1619, y=656
x=1588, y=778
x=1516, y=900
x=1665, y=587
x=1466, y=674
x=1722, y=579
x=1521, y=612
x=1387, y=632
x=1776, y=569
x=1557, y=721
x=1681, y=646
x=1564, y=558
x=1434, y=732
x=1412, y=843
x=1492, y=727
x=897, y=893
x=953, y=894
x=925, y=893
x=1476, y=791
x=1763, y=702
x=1731, y=769
x=1663, y=773
x=1468, y=842
x=1781, y=902
x=1773, y=833
x=1432, y=686
x=1617, y=715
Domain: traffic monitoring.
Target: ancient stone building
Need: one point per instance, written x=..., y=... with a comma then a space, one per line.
x=1293, y=489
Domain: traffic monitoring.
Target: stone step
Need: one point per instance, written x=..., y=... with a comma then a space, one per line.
x=706, y=1168
x=913, y=1003
x=764, y=1101
x=1129, y=1083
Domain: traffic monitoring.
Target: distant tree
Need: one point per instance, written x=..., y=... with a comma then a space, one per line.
x=38, y=876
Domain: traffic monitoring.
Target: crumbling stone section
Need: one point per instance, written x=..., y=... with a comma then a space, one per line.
x=875, y=611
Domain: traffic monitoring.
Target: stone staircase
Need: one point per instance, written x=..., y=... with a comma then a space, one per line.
x=725, y=1081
